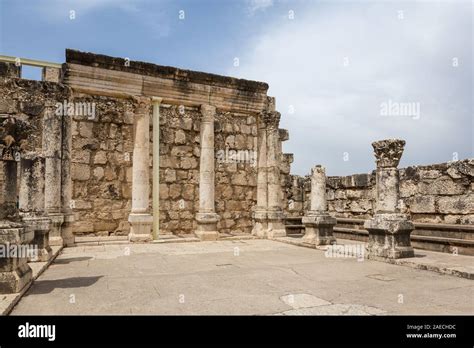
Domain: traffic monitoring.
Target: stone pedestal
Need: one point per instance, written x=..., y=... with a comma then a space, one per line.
x=275, y=224
x=140, y=227
x=15, y=273
x=67, y=230
x=207, y=226
x=40, y=248
x=389, y=236
x=140, y=219
x=318, y=223
x=55, y=232
x=319, y=229
x=206, y=217
x=389, y=230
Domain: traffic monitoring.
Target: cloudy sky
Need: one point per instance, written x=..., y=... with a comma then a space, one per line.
x=344, y=73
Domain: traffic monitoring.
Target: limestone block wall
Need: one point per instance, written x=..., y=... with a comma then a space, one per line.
x=236, y=171
x=438, y=193
x=101, y=166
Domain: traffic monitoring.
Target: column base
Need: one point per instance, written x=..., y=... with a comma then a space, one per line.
x=319, y=229
x=55, y=237
x=40, y=249
x=276, y=225
x=15, y=273
x=389, y=236
x=17, y=278
x=260, y=226
x=268, y=224
x=66, y=230
x=207, y=226
x=140, y=227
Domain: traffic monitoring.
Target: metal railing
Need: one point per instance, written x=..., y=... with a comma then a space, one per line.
x=30, y=62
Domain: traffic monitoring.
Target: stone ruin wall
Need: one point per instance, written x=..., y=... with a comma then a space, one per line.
x=438, y=193
x=25, y=101
x=102, y=157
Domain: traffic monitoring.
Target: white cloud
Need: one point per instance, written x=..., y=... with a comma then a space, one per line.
x=254, y=6
x=337, y=107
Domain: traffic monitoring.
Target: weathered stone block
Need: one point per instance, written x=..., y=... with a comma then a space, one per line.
x=80, y=171
x=421, y=204
x=100, y=157
x=457, y=205
x=442, y=186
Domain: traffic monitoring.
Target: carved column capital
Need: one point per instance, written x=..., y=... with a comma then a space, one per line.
x=208, y=112
x=142, y=104
x=271, y=119
x=388, y=152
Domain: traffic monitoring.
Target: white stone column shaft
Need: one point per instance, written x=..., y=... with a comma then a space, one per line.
x=140, y=218
x=52, y=151
x=318, y=200
x=207, y=218
x=156, y=166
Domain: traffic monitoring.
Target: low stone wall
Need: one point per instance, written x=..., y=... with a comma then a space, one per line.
x=438, y=193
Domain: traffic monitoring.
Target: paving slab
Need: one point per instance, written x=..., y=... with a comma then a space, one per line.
x=445, y=263
x=251, y=277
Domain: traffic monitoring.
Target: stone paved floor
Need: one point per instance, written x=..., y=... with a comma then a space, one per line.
x=236, y=277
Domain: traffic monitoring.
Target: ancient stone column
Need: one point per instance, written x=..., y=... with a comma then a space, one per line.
x=260, y=226
x=389, y=229
x=52, y=147
x=31, y=205
x=66, y=183
x=156, y=165
x=275, y=216
x=15, y=273
x=206, y=217
x=10, y=193
x=140, y=218
x=318, y=223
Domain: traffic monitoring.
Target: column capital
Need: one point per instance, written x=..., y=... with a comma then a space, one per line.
x=271, y=104
x=271, y=119
x=156, y=100
x=318, y=170
x=208, y=112
x=142, y=104
x=388, y=152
